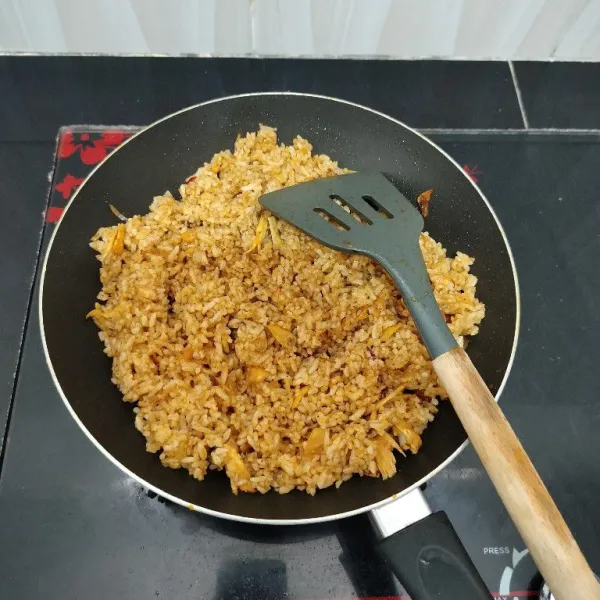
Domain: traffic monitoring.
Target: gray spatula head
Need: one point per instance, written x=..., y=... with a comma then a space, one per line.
x=364, y=213
x=351, y=213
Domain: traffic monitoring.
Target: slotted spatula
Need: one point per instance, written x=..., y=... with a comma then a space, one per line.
x=364, y=213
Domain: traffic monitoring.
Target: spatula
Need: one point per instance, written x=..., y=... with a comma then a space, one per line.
x=364, y=213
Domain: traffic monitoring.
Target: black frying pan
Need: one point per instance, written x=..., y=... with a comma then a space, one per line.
x=159, y=158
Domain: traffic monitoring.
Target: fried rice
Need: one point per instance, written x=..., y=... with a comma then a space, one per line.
x=248, y=347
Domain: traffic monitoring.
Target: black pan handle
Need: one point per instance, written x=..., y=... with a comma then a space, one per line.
x=431, y=563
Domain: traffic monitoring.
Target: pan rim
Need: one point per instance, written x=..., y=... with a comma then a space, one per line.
x=253, y=520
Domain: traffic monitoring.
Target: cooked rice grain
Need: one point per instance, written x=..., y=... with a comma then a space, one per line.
x=249, y=347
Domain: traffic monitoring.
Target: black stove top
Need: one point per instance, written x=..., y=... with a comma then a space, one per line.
x=74, y=527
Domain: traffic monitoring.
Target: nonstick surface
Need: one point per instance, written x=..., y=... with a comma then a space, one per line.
x=160, y=158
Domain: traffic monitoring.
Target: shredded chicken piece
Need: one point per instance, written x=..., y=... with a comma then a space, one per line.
x=282, y=335
x=256, y=374
x=188, y=353
x=118, y=242
x=388, y=332
x=411, y=440
x=259, y=236
x=236, y=470
x=109, y=244
x=385, y=400
x=274, y=233
x=99, y=314
x=423, y=201
x=315, y=442
x=188, y=236
x=386, y=462
x=94, y=314
x=298, y=396
x=363, y=313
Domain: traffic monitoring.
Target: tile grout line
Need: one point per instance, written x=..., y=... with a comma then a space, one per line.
x=422, y=129
x=509, y=130
x=253, y=24
x=29, y=306
x=518, y=93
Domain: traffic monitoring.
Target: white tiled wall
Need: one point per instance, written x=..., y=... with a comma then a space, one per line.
x=539, y=29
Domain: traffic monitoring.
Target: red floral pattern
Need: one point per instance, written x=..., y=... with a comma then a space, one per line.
x=91, y=149
x=54, y=213
x=68, y=185
x=473, y=172
x=77, y=151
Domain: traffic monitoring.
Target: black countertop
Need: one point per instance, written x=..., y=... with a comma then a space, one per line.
x=41, y=94
x=75, y=527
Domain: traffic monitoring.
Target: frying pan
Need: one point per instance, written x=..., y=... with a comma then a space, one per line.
x=159, y=158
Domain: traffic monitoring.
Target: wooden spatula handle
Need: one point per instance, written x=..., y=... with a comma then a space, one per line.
x=525, y=496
